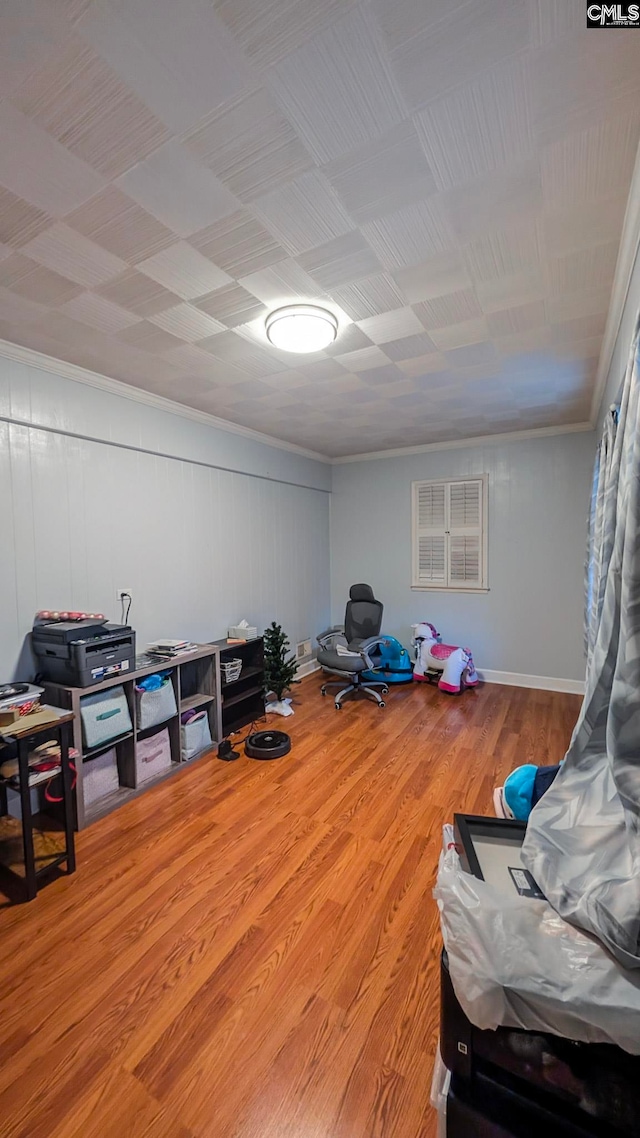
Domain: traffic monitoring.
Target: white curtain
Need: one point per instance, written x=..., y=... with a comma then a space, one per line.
x=583, y=838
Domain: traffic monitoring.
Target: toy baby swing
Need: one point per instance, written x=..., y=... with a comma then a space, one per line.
x=452, y=668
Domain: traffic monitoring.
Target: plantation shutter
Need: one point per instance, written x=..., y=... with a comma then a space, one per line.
x=448, y=534
x=429, y=509
x=465, y=534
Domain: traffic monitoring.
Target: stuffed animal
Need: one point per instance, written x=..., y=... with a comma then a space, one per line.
x=454, y=666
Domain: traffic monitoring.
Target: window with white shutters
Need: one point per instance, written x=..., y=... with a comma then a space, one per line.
x=449, y=534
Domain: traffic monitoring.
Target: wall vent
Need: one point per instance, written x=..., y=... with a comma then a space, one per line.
x=303, y=649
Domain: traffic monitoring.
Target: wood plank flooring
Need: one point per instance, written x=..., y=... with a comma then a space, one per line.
x=250, y=950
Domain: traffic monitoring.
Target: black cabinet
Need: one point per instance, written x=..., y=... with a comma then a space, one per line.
x=242, y=698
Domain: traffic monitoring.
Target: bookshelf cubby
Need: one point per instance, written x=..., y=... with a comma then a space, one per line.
x=196, y=681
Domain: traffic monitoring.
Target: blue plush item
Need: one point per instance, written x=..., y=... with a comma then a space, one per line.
x=518, y=790
x=153, y=682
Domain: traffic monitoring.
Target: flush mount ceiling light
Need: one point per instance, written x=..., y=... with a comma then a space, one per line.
x=301, y=328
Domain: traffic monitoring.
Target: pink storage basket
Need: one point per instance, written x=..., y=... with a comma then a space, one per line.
x=153, y=755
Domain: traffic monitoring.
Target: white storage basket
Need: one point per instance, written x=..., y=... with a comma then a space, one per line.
x=100, y=776
x=155, y=707
x=237, y=632
x=231, y=669
x=105, y=716
x=153, y=755
x=195, y=736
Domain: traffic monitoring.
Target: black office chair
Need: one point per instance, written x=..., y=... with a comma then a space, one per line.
x=345, y=651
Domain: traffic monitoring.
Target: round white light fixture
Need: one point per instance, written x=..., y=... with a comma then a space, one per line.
x=301, y=328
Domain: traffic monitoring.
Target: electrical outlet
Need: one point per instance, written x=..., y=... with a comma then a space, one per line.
x=124, y=589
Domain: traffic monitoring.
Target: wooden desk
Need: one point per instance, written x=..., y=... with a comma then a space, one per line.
x=41, y=850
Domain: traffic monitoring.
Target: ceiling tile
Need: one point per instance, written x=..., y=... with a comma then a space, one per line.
x=37, y=168
x=338, y=89
x=20, y=222
x=431, y=362
x=554, y=19
x=443, y=273
x=68, y=252
x=117, y=223
x=340, y=261
x=583, y=270
x=391, y=325
x=187, y=323
x=581, y=328
x=453, y=308
x=78, y=99
x=184, y=271
x=476, y=352
x=508, y=321
x=16, y=310
x=193, y=360
x=363, y=359
x=478, y=128
x=250, y=146
x=382, y=376
x=583, y=224
x=503, y=253
x=239, y=244
x=232, y=305
x=382, y=176
x=459, y=335
x=409, y=347
x=370, y=296
x=350, y=339
x=458, y=46
x=573, y=305
x=31, y=30
x=511, y=196
x=250, y=358
x=410, y=235
x=138, y=293
x=304, y=214
x=283, y=283
x=270, y=31
x=36, y=282
x=177, y=189
x=98, y=312
x=148, y=338
x=581, y=80
x=591, y=164
x=180, y=68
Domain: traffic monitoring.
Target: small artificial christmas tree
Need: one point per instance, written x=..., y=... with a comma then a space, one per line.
x=279, y=669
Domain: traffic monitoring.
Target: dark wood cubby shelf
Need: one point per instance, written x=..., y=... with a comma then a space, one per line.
x=242, y=699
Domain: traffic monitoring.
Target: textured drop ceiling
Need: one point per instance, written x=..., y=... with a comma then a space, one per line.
x=450, y=179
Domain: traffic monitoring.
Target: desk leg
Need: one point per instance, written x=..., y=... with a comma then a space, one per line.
x=31, y=886
x=68, y=796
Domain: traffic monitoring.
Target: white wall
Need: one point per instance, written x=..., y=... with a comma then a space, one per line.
x=530, y=621
x=91, y=500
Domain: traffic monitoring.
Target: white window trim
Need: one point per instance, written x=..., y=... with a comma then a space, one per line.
x=446, y=588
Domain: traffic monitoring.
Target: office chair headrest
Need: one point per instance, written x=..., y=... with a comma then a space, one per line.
x=361, y=593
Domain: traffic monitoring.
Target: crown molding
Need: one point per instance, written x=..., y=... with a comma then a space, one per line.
x=627, y=253
x=463, y=444
x=77, y=374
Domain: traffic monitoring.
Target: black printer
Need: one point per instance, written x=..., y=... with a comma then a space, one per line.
x=83, y=652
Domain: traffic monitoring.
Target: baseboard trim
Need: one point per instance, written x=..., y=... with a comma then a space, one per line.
x=542, y=683
x=308, y=668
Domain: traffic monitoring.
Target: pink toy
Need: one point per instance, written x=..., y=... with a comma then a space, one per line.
x=454, y=666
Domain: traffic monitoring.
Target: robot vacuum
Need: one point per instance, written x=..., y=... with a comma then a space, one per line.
x=267, y=745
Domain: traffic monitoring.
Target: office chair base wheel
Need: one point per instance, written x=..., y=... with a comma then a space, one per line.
x=323, y=691
x=338, y=706
x=381, y=704
x=384, y=691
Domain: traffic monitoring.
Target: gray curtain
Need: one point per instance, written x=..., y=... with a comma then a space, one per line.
x=583, y=838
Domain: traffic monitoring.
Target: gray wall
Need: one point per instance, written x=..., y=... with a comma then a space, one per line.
x=624, y=338
x=530, y=621
x=90, y=500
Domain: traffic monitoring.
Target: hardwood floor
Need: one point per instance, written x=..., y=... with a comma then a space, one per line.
x=251, y=949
